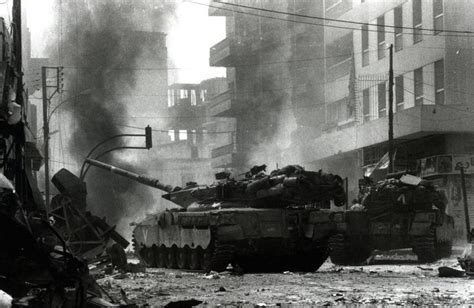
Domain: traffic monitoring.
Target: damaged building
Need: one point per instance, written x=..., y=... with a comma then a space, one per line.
x=342, y=124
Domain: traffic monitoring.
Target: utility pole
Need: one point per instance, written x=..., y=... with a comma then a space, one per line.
x=57, y=88
x=390, y=112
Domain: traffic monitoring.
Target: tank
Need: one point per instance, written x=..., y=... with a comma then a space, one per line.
x=400, y=212
x=258, y=223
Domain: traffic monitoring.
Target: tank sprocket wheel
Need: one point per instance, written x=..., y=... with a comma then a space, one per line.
x=138, y=251
x=182, y=258
x=424, y=247
x=171, y=258
x=194, y=259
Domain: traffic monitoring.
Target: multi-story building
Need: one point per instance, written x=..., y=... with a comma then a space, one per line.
x=186, y=156
x=275, y=72
x=432, y=99
x=345, y=113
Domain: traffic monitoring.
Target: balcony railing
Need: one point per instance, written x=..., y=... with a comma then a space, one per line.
x=224, y=150
x=221, y=105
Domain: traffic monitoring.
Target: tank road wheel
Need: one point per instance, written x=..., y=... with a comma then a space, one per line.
x=182, y=257
x=194, y=259
x=205, y=256
x=160, y=255
x=424, y=247
x=171, y=257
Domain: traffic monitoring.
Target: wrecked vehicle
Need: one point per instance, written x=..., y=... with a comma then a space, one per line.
x=86, y=235
x=399, y=212
x=259, y=223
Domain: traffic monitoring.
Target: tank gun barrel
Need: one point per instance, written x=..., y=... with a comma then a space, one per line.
x=145, y=180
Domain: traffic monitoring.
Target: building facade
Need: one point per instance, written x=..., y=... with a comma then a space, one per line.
x=337, y=71
x=432, y=73
x=275, y=73
x=186, y=155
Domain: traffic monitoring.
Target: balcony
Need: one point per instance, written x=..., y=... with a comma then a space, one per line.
x=235, y=50
x=223, y=53
x=215, y=9
x=224, y=150
x=410, y=123
x=223, y=105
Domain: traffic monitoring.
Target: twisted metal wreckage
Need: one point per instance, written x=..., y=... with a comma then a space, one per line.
x=37, y=267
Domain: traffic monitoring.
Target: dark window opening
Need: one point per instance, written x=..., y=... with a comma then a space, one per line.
x=439, y=82
x=438, y=15
x=381, y=36
x=417, y=21
x=366, y=104
x=365, y=45
x=399, y=93
x=382, y=100
x=419, y=86
x=398, y=15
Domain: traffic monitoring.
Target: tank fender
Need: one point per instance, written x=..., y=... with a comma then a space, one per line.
x=180, y=237
x=230, y=233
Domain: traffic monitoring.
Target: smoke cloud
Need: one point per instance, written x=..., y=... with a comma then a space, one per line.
x=105, y=48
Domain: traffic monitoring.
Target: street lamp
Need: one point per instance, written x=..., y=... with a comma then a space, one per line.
x=148, y=145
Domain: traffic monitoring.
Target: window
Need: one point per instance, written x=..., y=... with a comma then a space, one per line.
x=398, y=16
x=193, y=97
x=203, y=95
x=439, y=82
x=183, y=134
x=171, y=98
x=340, y=50
x=171, y=134
x=381, y=36
x=419, y=86
x=399, y=92
x=438, y=14
x=366, y=104
x=183, y=93
x=365, y=45
x=417, y=21
x=382, y=100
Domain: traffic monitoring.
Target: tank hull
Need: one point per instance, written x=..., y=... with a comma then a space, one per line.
x=254, y=239
x=354, y=235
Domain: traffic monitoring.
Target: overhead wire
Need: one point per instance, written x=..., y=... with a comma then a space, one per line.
x=343, y=20
x=318, y=24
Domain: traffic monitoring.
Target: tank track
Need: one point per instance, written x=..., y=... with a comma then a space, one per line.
x=425, y=247
x=343, y=252
x=140, y=252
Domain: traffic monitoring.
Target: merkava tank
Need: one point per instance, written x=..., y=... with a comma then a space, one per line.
x=402, y=211
x=260, y=223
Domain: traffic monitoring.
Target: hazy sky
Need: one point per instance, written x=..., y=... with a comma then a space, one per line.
x=189, y=37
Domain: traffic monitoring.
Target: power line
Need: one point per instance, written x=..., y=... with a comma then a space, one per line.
x=317, y=24
x=343, y=20
x=98, y=68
